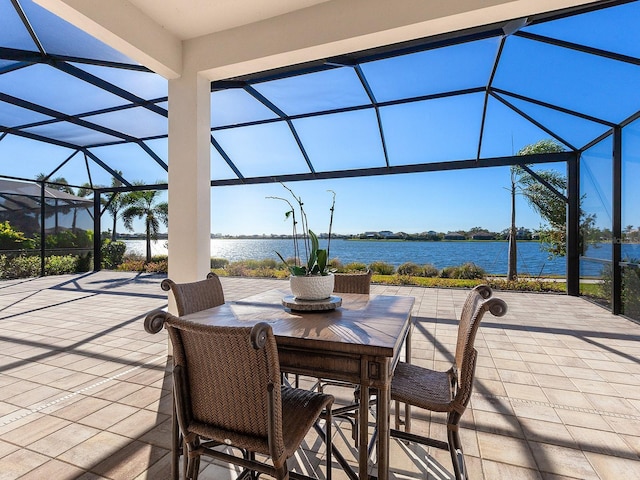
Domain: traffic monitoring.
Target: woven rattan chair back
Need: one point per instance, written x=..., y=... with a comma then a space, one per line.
x=470, y=317
x=195, y=296
x=226, y=381
x=352, y=282
x=227, y=390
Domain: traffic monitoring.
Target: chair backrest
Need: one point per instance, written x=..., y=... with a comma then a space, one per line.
x=227, y=379
x=478, y=302
x=352, y=282
x=195, y=296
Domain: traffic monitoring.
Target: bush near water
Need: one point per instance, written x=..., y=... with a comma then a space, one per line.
x=467, y=275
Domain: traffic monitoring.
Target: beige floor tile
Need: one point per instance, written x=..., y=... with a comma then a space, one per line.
x=498, y=424
x=567, y=398
x=40, y=427
x=20, y=462
x=129, y=462
x=95, y=450
x=612, y=404
x=536, y=411
x=579, y=418
x=598, y=441
x=547, y=432
x=54, y=470
x=495, y=470
x=63, y=439
x=517, y=348
x=562, y=461
x=108, y=416
x=508, y=450
x=138, y=424
x=613, y=467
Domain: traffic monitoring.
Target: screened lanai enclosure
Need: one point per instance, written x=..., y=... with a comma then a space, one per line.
x=73, y=108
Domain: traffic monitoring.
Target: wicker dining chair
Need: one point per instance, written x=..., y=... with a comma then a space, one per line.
x=349, y=283
x=191, y=297
x=195, y=296
x=448, y=391
x=228, y=393
x=352, y=282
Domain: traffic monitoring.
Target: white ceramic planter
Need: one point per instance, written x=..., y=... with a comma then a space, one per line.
x=314, y=287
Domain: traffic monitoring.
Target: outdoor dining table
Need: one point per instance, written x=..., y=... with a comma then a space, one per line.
x=358, y=342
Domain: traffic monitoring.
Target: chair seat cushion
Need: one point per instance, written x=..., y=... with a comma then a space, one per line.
x=422, y=387
x=300, y=408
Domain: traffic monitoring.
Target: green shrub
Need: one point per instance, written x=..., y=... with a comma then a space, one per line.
x=219, y=262
x=335, y=264
x=355, y=267
x=132, y=265
x=84, y=263
x=467, y=271
x=526, y=285
x=403, y=279
x=69, y=239
x=159, y=258
x=237, y=269
x=161, y=266
x=11, y=239
x=112, y=253
x=60, y=264
x=429, y=270
x=382, y=268
x=409, y=268
x=447, y=272
x=260, y=264
x=19, y=267
x=630, y=288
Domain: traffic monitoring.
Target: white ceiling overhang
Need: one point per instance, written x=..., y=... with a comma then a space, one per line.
x=225, y=38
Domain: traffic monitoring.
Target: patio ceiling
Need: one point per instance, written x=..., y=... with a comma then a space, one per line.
x=71, y=106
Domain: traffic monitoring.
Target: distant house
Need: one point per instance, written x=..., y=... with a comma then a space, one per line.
x=454, y=236
x=483, y=236
x=386, y=234
x=523, y=234
x=370, y=234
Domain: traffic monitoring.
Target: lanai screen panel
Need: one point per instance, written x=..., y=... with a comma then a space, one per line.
x=465, y=96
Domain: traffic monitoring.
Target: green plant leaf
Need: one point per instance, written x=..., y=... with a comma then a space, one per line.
x=322, y=261
x=297, y=271
x=313, y=255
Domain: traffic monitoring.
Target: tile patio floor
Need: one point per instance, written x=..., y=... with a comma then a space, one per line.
x=84, y=391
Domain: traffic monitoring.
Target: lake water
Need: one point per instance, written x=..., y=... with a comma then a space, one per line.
x=490, y=255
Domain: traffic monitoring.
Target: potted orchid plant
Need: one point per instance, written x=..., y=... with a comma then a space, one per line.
x=311, y=278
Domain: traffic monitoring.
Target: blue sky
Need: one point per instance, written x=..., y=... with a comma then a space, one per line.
x=413, y=203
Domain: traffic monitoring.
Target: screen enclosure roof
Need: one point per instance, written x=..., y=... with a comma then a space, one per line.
x=72, y=107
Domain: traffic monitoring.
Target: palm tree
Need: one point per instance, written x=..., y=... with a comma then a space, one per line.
x=61, y=184
x=115, y=204
x=144, y=205
x=83, y=191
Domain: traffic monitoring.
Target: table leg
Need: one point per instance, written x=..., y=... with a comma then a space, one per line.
x=363, y=442
x=407, y=407
x=384, y=398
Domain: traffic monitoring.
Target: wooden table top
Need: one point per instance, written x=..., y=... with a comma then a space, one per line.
x=373, y=325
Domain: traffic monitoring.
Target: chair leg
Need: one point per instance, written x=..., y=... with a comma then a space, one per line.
x=282, y=473
x=328, y=441
x=176, y=440
x=457, y=455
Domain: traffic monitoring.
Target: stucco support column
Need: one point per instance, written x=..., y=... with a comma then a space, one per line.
x=189, y=178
